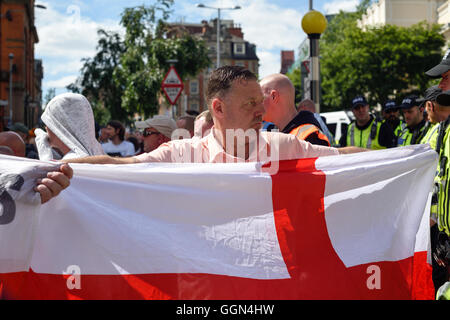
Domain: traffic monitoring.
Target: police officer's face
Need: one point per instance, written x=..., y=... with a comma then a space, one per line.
x=445, y=81
x=361, y=112
x=391, y=114
x=413, y=116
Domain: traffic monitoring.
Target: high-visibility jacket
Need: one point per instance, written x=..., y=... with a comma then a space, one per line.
x=305, y=130
x=431, y=134
x=398, y=129
x=366, y=138
x=443, y=148
x=408, y=137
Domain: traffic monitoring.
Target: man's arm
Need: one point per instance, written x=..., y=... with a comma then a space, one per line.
x=103, y=159
x=351, y=149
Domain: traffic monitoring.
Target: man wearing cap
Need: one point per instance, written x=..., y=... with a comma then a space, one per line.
x=391, y=115
x=436, y=113
x=366, y=131
x=412, y=109
x=441, y=254
x=156, y=131
x=442, y=70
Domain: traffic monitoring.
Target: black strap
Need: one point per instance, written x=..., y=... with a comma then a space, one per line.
x=441, y=134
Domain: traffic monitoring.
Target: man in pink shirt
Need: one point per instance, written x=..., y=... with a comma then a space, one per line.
x=235, y=100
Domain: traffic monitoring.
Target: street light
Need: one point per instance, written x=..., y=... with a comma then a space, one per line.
x=314, y=24
x=10, y=121
x=201, y=5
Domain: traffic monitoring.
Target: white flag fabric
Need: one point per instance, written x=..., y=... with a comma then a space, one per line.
x=339, y=227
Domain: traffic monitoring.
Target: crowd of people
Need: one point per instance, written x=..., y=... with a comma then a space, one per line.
x=264, y=112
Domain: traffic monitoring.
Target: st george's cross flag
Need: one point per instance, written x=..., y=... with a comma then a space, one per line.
x=339, y=227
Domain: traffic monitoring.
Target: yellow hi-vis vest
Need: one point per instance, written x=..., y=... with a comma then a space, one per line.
x=367, y=138
x=443, y=148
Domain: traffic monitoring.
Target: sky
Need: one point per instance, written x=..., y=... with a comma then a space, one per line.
x=67, y=29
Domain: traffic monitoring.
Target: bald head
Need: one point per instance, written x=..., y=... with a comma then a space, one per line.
x=307, y=105
x=279, y=99
x=13, y=141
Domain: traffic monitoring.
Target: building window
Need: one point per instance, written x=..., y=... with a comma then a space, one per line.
x=239, y=48
x=193, y=87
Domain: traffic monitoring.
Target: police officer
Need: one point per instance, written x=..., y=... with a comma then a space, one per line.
x=366, y=131
x=442, y=70
x=391, y=115
x=441, y=253
x=415, y=122
x=435, y=115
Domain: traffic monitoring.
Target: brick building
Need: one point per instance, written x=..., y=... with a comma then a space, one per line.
x=234, y=50
x=18, y=36
x=287, y=60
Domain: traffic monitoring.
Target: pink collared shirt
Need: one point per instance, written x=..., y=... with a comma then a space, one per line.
x=272, y=146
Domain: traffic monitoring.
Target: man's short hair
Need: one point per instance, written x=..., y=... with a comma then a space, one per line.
x=118, y=125
x=222, y=79
x=205, y=114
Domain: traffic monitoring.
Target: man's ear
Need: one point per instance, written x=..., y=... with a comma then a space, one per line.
x=274, y=95
x=217, y=107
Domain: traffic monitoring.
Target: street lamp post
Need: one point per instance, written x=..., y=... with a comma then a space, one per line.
x=314, y=24
x=200, y=5
x=10, y=102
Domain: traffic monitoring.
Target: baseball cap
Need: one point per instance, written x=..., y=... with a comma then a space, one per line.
x=19, y=126
x=162, y=123
x=390, y=104
x=409, y=102
x=444, y=98
x=441, y=68
x=430, y=95
x=359, y=100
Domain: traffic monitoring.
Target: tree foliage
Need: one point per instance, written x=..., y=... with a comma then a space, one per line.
x=382, y=62
x=126, y=74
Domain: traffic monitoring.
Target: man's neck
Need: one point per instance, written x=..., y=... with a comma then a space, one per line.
x=287, y=117
x=362, y=123
x=219, y=134
x=116, y=140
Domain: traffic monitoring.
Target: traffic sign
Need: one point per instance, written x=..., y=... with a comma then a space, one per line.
x=172, y=85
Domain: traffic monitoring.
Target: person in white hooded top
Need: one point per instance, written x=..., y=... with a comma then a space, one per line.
x=70, y=126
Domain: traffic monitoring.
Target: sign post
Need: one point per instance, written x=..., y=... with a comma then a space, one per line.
x=172, y=87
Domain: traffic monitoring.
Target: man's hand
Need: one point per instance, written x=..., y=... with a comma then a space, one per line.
x=54, y=183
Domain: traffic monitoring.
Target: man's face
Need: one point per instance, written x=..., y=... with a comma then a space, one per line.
x=392, y=114
x=152, y=139
x=445, y=81
x=110, y=132
x=269, y=105
x=361, y=112
x=243, y=106
x=429, y=107
x=412, y=116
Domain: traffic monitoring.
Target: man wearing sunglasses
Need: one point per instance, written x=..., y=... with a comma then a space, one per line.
x=156, y=131
x=366, y=131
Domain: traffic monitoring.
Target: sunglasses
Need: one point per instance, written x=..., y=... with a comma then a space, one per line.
x=149, y=133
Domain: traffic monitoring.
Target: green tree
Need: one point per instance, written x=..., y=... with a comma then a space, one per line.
x=150, y=42
x=378, y=61
x=96, y=79
x=51, y=93
x=296, y=77
x=125, y=75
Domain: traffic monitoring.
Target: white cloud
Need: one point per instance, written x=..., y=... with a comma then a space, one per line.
x=62, y=82
x=337, y=5
x=270, y=27
x=65, y=37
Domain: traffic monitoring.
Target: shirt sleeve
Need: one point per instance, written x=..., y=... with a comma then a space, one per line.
x=162, y=154
x=290, y=147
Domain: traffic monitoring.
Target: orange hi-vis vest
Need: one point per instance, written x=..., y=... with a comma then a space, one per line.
x=305, y=130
